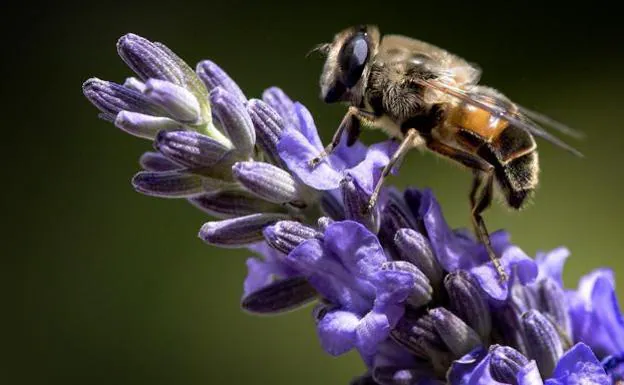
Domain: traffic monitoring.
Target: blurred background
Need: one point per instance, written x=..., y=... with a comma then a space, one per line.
x=104, y=285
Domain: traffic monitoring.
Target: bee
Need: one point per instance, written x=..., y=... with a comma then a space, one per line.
x=425, y=97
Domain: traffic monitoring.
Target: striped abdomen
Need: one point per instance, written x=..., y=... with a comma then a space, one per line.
x=510, y=149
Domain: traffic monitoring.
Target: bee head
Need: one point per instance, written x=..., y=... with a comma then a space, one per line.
x=347, y=64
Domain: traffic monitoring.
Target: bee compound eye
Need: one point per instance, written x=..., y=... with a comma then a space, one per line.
x=353, y=58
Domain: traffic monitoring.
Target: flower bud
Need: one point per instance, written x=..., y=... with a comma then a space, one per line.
x=180, y=103
x=284, y=236
x=280, y=296
x=213, y=76
x=268, y=181
x=238, y=232
x=145, y=126
x=415, y=248
x=459, y=337
x=468, y=302
x=234, y=119
x=542, y=341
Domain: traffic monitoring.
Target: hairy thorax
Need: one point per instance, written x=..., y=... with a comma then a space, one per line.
x=398, y=101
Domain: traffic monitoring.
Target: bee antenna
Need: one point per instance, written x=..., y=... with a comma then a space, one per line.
x=322, y=48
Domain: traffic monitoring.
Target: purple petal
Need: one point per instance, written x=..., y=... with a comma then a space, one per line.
x=579, y=366
x=337, y=331
x=595, y=313
x=551, y=264
x=393, y=287
x=350, y=155
x=296, y=151
x=280, y=102
x=443, y=241
x=461, y=369
x=330, y=278
x=357, y=248
x=530, y=375
x=373, y=328
x=308, y=258
x=306, y=125
x=513, y=260
x=368, y=171
x=259, y=274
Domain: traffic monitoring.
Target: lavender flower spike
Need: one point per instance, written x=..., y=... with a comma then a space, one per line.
x=420, y=302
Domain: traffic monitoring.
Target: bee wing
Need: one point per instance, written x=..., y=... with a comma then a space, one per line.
x=547, y=121
x=403, y=48
x=489, y=104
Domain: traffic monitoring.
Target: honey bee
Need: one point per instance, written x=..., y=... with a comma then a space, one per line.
x=426, y=97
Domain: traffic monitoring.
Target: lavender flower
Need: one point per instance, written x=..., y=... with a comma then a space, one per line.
x=420, y=302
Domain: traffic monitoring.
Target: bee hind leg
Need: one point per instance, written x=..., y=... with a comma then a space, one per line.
x=480, y=199
x=481, y=193
x=351, y=124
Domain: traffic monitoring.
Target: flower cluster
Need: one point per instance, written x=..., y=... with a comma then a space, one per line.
x=419, y=301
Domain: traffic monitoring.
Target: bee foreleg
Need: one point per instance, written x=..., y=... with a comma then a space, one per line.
x=481, y=193
x=405, y=146
x=351, y=124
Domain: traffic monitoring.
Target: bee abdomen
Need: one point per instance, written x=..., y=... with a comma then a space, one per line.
x=518, y=179
x=514, y=156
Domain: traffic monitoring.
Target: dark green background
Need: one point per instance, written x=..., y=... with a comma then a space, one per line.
x=104, y=285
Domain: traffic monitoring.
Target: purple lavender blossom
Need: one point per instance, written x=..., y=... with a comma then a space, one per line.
x=421, y=302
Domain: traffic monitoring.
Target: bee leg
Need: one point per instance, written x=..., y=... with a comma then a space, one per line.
x=480, y=194
x=405, y=146
x=480, y=201
x=351, y=124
